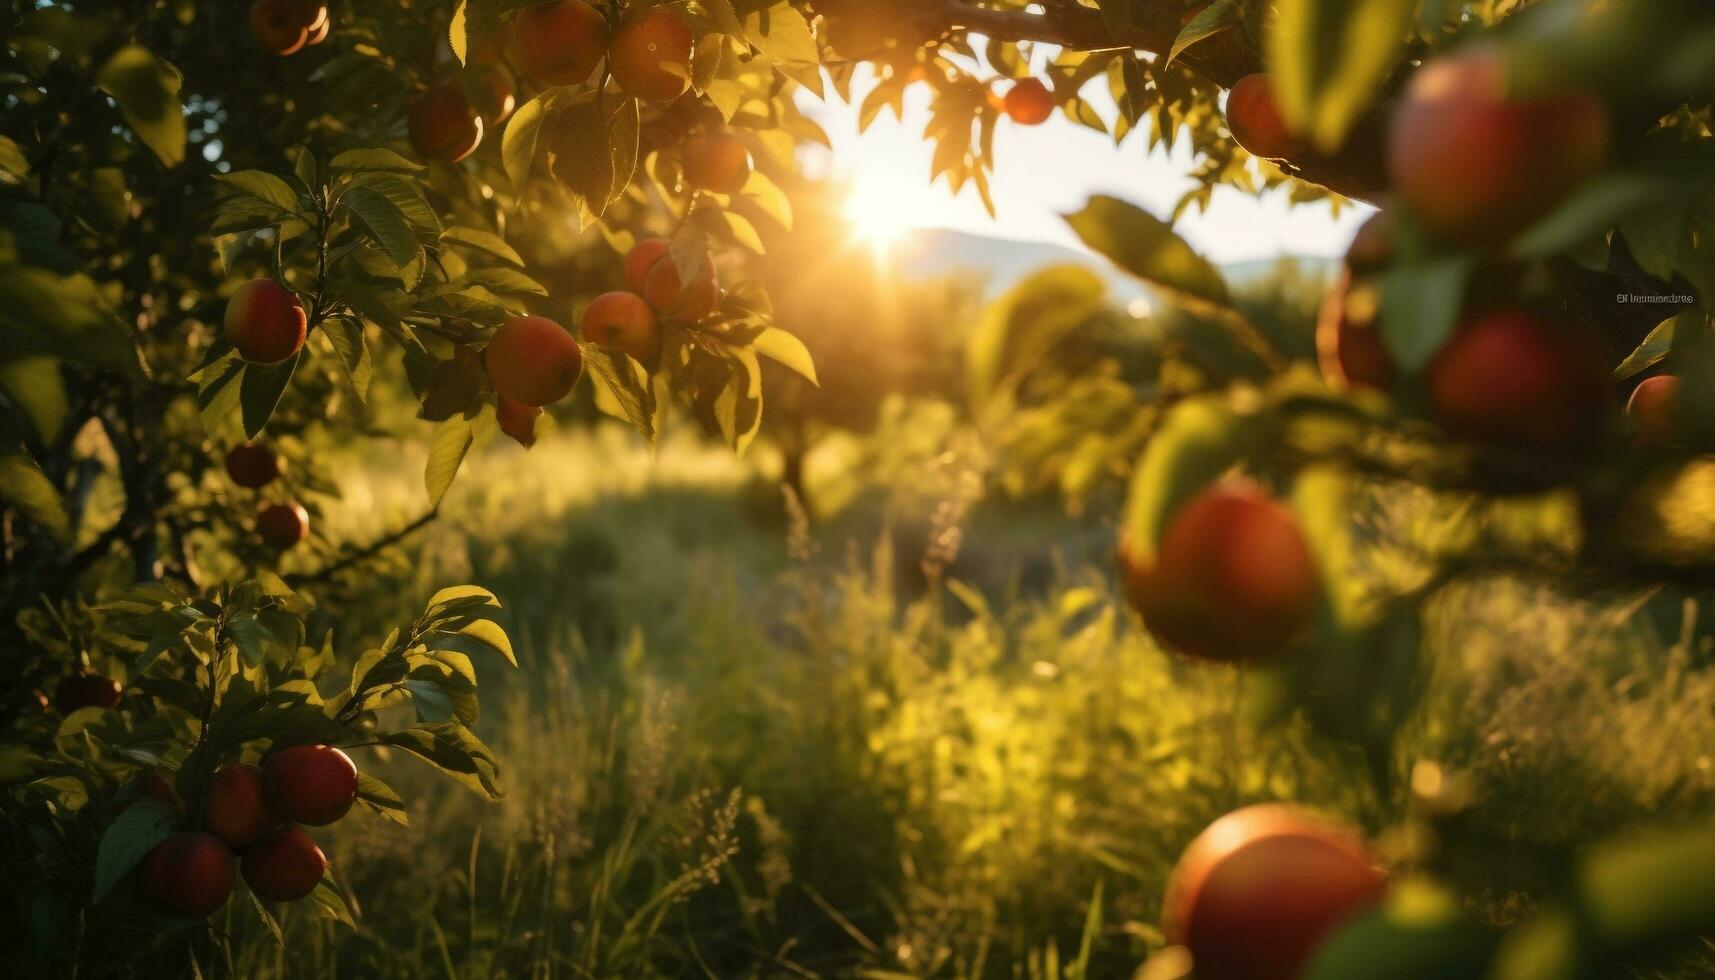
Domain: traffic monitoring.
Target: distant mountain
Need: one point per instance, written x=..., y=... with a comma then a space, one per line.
x=934, y=252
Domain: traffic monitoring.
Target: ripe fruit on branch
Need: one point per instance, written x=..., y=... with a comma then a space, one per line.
x=560, y=43
x=189, y=873
x=1232, y=580
x=1654, y=409
x=1509, y=379
x=623, y=322
x=1349, y=343
x=517, y=421
x=1028, y=102
x=679, y=300
x=265, y=322
x=651, y=55
x=237, y=809
x=1253, y=116
x=86, y=691
x=311, y=784
x=284, y=866
x=280, y=526
x=533, y=361
x=641, y=259
x=494, y=100
x=443, y=125
x=716, y=162
x=1478, y=165
x=251, y=465
x=1258, y=890
x=279, y=26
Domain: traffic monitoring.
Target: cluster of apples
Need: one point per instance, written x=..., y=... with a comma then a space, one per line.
x=285, y=27
x=266, y=324
x=251, y=818
x=1256, y=894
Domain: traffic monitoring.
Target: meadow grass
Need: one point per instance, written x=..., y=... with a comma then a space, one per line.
x=739, y=746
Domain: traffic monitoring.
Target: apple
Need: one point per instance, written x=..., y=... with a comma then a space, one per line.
x=682, y=301
x=716, y=162
x=236, y=809
x=1254, y=117
x=1510, y=379
x=1654, y=409
x=311, y=784
x=1232, y=581
x=278, y=26
x=641, y=259
x=533, y=361
x=280, y=526
x=517, y=421
x=1028, y=102
x=265, y=322
x=443, y=125
x=190, y=873
x=284, y=866
x=651, y=55
x=1256, y=893
x=559, y=43
x=1476, y=163
x=623, y=322
x=86, y=691
x=252, y=466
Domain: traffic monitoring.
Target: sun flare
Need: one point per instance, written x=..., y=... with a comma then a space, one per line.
x=882, y=209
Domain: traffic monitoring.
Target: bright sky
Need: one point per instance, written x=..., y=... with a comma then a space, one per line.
x=1049, y=170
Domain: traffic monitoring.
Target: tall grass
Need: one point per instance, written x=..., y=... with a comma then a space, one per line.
x=737, y=748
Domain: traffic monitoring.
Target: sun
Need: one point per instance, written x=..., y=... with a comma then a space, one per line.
x=882, y=208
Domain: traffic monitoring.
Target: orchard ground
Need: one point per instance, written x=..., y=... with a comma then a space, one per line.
x=736, y=741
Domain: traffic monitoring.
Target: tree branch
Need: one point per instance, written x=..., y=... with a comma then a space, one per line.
x=368, y=551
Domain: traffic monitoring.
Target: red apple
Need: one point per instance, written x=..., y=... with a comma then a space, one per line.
x=1511, y=379
x=1254, y=117
x=86, y=691
x=1257, y=892
x=278, y=26
x=251, y=465
x=623, y=322
x=1654, y=409
x=560, y=43
x=237, y=809
x=265, y=322
x=284, y=866
x=1028, y=102
x=533, y=361
x=517, y=421
x=311, y=784
x=682, y=301
x=716, y=162
x=189, y=873
x=443, y=125
x=1477, y=164
x=651, y=55
x=280, y=526
x=641, y=259
x=1232, y=581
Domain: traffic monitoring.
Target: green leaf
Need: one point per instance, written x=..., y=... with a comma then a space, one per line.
x=380, y=798
x=1147, y=247
x=374, y=159
x=509, y=281
x=486, y=241
x=782, y=36
x=304, y=168
x=1200, y=439
x=34, y=385
x=260, y=389
x=1329, y=58
x=1015, y=330
x=23, y=484
x=14, y=166
x=1418, y=933
x=788, y=351
x=518, y=143
x=458, y=33
x=1654, y=347
x=490, y=635
x=454, y=750
x=348, y=340
x=626, y=384
x=446, y=454
x=406, y=196
x=265, y=187
x=331, y=904
x=147, y=91
x=130, y=838
x=386, y=223
x=63, y=316
x=1420, y=306
x=431, y=702
x=1211, y=20
x=1650, y=887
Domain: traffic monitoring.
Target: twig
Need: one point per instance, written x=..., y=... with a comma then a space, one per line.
x=362, y=554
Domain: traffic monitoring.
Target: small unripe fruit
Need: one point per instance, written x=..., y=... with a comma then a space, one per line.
x=1257, y=892
x=443, y=125
x=517, y=421
x=280, y=526
x=237, y=809
x=1232, y=581
x=641, y=259
x=1654, y=409
x=651, y=55
x=265, y=322
x=533, y=361
x=189, y=873
x=717, y=163
x=1028, y=102
x=1254, y=117
x=252, y=466
x=278, y=26
x=311, y=784
x=86, y=691
x=678, y=300
x=1511, y=380
x=1477, y=166
x=623, y=322
x=560, y=43
x=284, y=866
